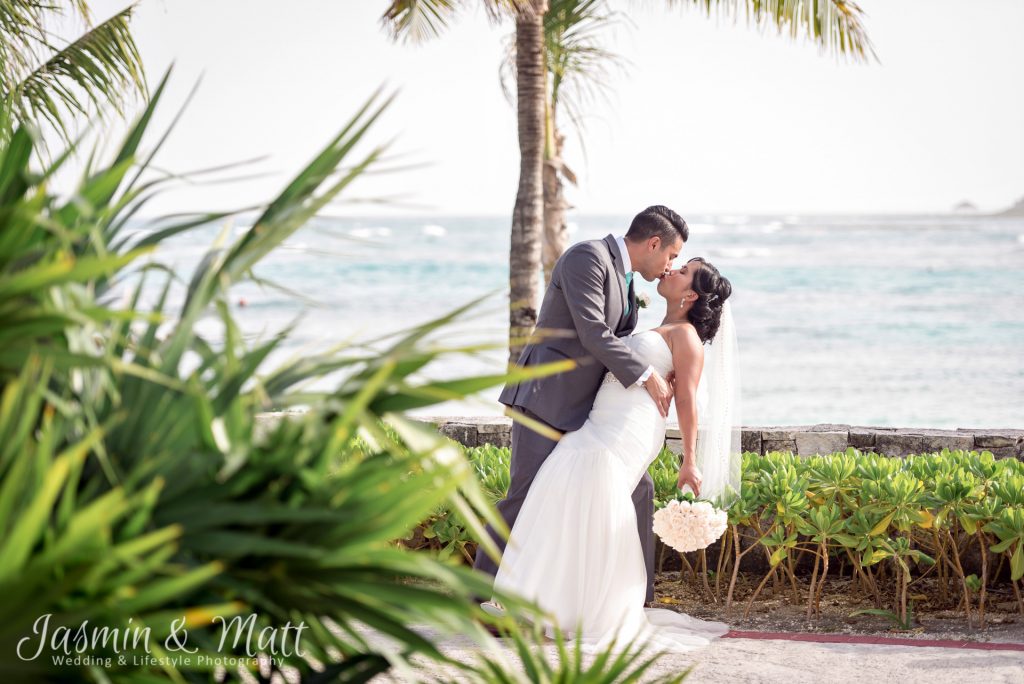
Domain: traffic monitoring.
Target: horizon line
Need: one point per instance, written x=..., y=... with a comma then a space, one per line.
x=606, y=214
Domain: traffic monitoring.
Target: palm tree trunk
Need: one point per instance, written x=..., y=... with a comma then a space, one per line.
x=528, y=214
x=556, y=230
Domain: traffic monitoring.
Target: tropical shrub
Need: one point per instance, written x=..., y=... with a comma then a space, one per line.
x=890, y=521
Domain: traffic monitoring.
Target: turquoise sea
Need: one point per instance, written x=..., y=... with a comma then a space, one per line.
x=910, y=321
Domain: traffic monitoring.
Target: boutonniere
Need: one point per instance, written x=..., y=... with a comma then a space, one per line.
x=643, y=300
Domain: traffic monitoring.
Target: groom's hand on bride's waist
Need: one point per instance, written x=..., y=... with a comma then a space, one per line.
x=660, y=391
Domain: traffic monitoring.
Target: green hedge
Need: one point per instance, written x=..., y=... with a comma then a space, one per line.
x=893, y=521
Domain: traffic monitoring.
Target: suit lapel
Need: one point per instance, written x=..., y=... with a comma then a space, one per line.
x=620, y=271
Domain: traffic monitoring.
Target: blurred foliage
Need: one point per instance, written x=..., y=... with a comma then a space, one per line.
x=138, y=483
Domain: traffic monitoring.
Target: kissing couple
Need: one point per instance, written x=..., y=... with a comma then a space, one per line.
x=580, y=507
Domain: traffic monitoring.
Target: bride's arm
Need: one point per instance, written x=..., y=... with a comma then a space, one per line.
x=687, y=362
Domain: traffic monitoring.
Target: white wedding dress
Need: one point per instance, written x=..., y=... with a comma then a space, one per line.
x=574, y=548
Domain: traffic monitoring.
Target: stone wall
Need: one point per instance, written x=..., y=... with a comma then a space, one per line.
x=802, y=440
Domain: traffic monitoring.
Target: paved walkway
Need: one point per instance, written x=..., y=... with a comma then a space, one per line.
x=791, y=661
x=762, y=658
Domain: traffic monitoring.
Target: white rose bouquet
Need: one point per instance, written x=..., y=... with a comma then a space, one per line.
x=689, y=525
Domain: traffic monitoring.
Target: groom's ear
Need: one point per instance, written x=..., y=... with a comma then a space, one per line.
x=654, y=243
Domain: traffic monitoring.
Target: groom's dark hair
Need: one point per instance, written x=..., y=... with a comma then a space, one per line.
x=658, y=221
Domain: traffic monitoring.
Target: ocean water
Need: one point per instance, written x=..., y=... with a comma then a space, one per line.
x=910, y=321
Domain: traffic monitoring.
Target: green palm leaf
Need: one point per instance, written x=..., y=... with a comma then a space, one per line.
x=99, y=68
x=834, y=25
x=419, y=20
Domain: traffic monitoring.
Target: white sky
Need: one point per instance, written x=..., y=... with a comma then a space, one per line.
x=708, y=116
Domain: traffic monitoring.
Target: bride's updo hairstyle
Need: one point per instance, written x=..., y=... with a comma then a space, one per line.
x=713, y=289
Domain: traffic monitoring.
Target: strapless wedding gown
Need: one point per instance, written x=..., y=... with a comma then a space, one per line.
x=574, y=548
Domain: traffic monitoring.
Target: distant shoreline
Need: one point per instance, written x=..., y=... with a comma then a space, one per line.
x=1011, y=212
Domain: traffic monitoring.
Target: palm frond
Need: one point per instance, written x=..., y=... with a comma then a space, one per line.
x=626, y=662
x=836, y=26
x=418, y=20
x=571, y=35
x=49, y=82
x=21, y=29
x=579, y=65
x=97, y=68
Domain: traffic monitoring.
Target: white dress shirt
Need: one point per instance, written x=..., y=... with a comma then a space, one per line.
x=627, y=267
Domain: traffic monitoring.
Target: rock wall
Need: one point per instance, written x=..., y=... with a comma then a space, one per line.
x=802, y=440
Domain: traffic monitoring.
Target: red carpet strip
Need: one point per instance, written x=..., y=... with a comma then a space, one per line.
x=876, y=640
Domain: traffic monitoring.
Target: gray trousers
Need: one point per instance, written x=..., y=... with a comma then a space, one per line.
x=529, y=450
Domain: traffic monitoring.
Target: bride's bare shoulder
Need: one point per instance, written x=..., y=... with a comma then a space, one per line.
x=682, y=337
x=683, y=330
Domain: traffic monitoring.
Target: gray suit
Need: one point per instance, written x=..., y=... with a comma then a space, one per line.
x=582, y=318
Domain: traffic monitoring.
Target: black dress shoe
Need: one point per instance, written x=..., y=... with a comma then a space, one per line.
x=489, y=628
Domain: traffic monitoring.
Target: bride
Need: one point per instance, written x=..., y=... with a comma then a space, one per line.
x=587, y=569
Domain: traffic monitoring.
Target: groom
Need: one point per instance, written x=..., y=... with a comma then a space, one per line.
x=588, y=307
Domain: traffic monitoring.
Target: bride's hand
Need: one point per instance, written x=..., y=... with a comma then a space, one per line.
x=689, y=475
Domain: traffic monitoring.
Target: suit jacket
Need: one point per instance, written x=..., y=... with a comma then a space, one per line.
x=581, y=318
